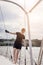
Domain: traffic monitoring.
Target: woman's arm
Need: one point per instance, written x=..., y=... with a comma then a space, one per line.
x=9, y=32
x=24, y=42
x=12, y=33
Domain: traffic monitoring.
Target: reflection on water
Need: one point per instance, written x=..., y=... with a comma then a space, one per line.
x=8, y=51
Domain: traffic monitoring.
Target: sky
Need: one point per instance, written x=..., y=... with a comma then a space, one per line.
x=13, y=18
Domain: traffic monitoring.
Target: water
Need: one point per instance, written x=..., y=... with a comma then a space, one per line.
x=8, y=51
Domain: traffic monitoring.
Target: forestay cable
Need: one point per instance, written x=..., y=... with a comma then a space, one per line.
x=4, y=30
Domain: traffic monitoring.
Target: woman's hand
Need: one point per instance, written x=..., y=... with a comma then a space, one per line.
x=6, y=31
x=9, y=32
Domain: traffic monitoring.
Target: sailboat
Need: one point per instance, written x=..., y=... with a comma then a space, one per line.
x=8, y=62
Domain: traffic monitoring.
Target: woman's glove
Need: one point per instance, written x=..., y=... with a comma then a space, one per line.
x=6, y=31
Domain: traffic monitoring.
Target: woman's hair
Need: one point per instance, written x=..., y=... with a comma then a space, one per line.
x=23, y=29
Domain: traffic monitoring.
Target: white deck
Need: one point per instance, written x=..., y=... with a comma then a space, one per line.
x=24, y=53
x=5, y=61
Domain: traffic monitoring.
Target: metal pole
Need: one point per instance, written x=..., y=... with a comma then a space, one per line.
x=40, y=54
x=30, y=43
x=35, y=5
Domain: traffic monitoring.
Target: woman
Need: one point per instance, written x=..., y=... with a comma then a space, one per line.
x=18, y=43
